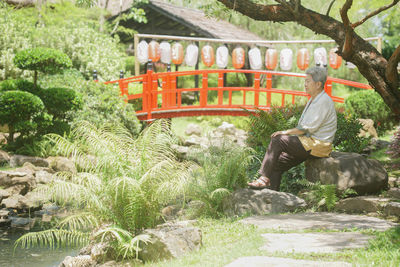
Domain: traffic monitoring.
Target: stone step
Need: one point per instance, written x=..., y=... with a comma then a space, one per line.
x=314, y=242
x=260, y=261
x=318, y=220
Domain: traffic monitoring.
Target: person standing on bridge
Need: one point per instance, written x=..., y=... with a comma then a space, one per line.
x=312, y=137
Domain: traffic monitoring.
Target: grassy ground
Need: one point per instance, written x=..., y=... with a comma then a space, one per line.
x=225, y=240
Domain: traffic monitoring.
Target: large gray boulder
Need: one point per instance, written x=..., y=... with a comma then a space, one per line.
x=261, y=202
x=348, y=170
x=170, y=240
x=19, y=160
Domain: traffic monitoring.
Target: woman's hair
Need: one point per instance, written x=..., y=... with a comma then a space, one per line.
x=318, y=74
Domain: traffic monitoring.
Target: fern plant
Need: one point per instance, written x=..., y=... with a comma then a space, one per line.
x=322, y=196
x=122, y=183
x=223, y=168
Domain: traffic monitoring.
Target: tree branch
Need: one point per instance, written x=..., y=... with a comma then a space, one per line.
x=330, y=6
x=347, y=46
x=374, y=13
x=277, y=13
x=391, y=70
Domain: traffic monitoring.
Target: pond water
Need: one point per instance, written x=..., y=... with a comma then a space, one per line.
x=33, y=257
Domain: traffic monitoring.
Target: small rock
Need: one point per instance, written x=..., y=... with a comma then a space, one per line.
x=7, y=176
x=4, y=194
x=193, y=129
x=43, y=177
x=60, y=164
x=394, y=193
x=261, y=202
x=19, y=189
x=194, y=140
x=393, y=209
x=19, y=222
x=13, y=202
x=180, y=150
x=4, y=220
x=33, y=200
x=227, y=128
x=4, y=158
x=19, y=160
x=170, y=241
x=78, y=261
x=362, y=204
x=393, y=182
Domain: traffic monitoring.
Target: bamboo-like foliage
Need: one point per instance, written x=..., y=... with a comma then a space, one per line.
x=124, y=183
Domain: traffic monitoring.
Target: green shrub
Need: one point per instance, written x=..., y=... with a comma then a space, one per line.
x=59, y=101
x=368, y=104
x=41, y=59
x=103, y=104
x=74, y=31
x=346, y=137
x=19, y=85
x=20, y=111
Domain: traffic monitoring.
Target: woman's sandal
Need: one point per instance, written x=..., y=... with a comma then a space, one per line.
x=261, y=183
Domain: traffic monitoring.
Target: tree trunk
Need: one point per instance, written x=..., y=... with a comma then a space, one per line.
x=371, y=64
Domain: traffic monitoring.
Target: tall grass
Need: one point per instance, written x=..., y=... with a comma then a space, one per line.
x=223, y=169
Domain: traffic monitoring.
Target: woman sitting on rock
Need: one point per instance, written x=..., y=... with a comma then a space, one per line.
x=312, y=137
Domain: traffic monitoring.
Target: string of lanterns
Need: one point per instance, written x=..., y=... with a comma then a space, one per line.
x=166, y=53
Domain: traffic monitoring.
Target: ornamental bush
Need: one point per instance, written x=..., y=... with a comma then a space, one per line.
x=368, y=104
x=20, y=111
x=41, y=59
x=59, y=101
x=19, y=85
x=346, y=137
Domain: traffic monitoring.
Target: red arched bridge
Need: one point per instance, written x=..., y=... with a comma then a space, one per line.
x=160, y=98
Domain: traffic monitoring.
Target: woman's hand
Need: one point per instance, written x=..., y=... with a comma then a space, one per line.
x=278, y=133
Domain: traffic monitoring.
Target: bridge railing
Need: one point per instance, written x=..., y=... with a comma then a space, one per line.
x=160, y=97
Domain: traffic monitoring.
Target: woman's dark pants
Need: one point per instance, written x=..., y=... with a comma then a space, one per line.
x=284, y=152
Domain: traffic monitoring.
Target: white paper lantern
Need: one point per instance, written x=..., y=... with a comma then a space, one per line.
x=320, y=56
x=142, y=52
x=222, y=57
x=165, y=48
x=192, y=55
x=286, y=59
x=255, y=58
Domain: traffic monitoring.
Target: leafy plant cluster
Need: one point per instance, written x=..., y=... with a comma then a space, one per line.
x=33, y=111
x=368, y=104
x=223, y=169
x=40, y=59
x=102, y=104
x=347, y=137
x=75, y=35
x=119, y=190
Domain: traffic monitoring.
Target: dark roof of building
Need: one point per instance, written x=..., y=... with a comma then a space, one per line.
x=168, y=19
